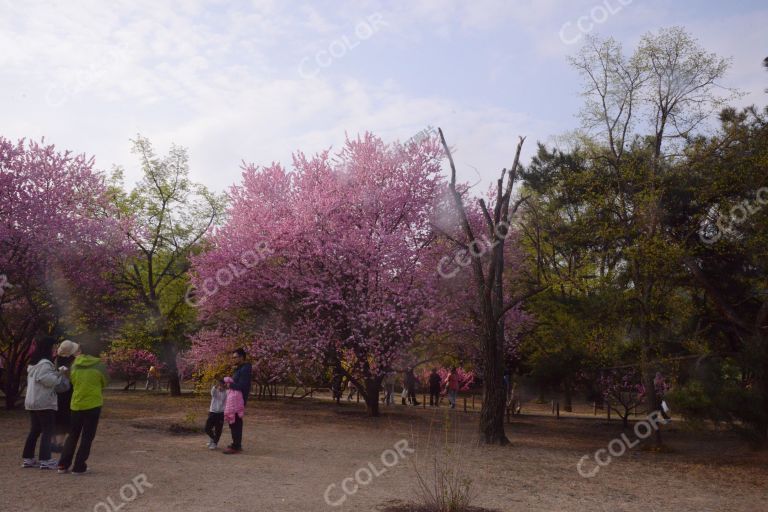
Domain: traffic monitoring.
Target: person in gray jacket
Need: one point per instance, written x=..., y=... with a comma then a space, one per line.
x=43, y=382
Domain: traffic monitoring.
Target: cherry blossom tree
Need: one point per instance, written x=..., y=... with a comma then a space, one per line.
x=130, y=363
x=350, y=267
x=56, y=221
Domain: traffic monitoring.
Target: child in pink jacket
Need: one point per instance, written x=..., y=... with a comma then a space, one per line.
x=235, y=405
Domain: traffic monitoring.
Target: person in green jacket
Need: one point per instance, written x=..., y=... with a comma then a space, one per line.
x=89, y=377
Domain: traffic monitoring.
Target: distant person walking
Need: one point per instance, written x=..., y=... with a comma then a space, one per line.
x=452, y=385
x=89, y=378
x=352, y=390
x=389, y=388
x=410, y=384
x=153, y=378
x=215, y=423
x=661, y=387
x=240, y=381
x=434, y=388
x=43, y=381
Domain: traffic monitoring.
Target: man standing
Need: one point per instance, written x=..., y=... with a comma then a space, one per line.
x=434, y=388
x=241, y=382
x=410, y=384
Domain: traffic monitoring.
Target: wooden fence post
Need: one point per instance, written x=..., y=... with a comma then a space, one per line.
x=465, y=404
x=558, y=410
x=473, y=402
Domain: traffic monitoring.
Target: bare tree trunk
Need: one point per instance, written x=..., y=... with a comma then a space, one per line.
x=489, y=287
x=174, y=382
x=371, y=396
x=761, y=353
x=647, y=376
x=169, y=358
x=494, y=402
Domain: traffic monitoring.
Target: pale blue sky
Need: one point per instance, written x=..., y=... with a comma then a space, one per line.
x=257, y=80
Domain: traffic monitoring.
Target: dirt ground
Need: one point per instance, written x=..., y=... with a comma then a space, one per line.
x=295, y=450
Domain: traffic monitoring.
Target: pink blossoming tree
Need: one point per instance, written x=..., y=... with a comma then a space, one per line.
x=130, y=363
x=351, y=266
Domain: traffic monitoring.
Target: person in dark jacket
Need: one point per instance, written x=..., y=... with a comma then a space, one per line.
x=410, y=385
x=241, y=382
x=336, y=386
x=65, y=356
x=434, y=388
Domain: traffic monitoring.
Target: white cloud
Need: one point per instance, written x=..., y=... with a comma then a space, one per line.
x=222, y=79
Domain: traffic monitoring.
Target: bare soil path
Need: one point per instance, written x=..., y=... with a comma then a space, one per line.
x=296, y=450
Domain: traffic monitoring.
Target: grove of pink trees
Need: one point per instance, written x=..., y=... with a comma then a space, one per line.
x=336, y=265
x=353, y=280
x=352, y=265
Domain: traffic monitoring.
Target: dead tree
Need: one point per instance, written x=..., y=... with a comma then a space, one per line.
x=488, y=283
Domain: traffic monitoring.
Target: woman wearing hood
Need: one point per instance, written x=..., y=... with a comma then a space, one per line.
x=43, y=382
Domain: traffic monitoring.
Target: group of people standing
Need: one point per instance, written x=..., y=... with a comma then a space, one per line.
x=451, y=384
x=64, y=401
x=438, y=386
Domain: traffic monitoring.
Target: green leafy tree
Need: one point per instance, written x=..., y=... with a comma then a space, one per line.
x=172, y=216
x=640, y=111
x=721, y=218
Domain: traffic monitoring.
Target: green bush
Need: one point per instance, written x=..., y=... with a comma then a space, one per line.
x=721, y=393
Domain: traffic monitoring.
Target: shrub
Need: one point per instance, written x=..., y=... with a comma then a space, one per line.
x=722, y=393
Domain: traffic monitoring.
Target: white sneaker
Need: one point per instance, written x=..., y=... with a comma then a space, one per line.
x=49, y=464
x=212, y=446
x=30, y=463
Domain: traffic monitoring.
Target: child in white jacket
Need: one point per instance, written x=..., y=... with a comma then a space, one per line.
x=215, y=423
x=43, y=382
